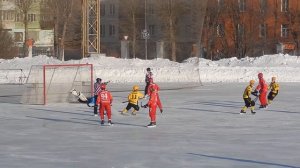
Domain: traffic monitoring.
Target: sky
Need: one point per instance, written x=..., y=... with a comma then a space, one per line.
x=285, y=67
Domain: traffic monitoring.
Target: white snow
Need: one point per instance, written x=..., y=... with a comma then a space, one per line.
x=285, y=67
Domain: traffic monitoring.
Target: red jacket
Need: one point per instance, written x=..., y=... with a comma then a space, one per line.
x=104, y=97
x=153, y=87
x=262, y=86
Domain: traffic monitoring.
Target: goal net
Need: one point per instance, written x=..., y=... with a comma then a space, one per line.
x=54, y=83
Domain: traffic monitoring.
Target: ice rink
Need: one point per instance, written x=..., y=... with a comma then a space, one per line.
x=200, y=128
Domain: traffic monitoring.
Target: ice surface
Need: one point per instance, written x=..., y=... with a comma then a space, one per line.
x=200, y=127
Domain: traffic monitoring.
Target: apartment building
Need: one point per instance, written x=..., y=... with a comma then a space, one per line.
x=12, y=21
x=251, y=28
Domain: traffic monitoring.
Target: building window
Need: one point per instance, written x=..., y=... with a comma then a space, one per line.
x=112, y=30
x=102, y=9
x=112, y=9
x=284, y=5
x=102, y=30
x=262, y=30
x=220, y=30
x=18, y=36
x=220, y=3
x=18, y=17
x=284, y=30
x=263, y=5
x=152, y=30
x=31, y=17
x=7, y=15
x=242, y=5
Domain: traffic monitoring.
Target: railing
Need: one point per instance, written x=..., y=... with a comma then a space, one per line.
x=12, y=76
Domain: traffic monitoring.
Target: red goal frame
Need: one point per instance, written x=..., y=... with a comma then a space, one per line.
x=65, y=65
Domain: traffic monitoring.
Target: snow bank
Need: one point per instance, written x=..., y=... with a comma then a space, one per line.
x=285, y=67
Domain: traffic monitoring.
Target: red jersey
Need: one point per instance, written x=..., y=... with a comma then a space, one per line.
x=262, y=86
x=153, y=87
x=104, y=97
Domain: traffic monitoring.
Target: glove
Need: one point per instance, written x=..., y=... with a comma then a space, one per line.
x=145, y=106
x=161, y=110
x=254, y=93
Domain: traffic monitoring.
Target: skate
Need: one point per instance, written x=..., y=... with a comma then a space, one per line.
x=110, y=123
x=124, y=112
x=102, y=122
x=133, y=112
x=253, y=112
x=151, y=125
x=242, y=112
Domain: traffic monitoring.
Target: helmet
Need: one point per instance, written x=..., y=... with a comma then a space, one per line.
x=252, y=82
x=260, y=75
x=148, y=69
x=135, y=88
x=98, y=80
x=103, y=86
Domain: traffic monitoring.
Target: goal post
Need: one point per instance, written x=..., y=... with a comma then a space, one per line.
x=53, y=83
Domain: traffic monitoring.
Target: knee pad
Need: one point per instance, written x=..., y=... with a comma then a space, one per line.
x=252, y=103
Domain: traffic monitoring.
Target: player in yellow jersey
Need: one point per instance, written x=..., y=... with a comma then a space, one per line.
x=274, y=89
x=246, y=96
x=133, y=99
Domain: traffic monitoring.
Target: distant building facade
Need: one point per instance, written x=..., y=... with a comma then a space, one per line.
x=12, y=21
x=232, y=28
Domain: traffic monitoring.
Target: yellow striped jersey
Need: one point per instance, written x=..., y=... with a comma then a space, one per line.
x=134, y=97
x=274, y=86
x=247, y=92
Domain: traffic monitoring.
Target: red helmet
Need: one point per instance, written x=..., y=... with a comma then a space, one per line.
x=260, y=75
x=103, y=86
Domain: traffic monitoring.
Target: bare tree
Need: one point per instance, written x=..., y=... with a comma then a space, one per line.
x=238, y=28
x=6, y=43
x=24, y=6
x=170, y=12
x=62, y=13
x=131, y=22
x=198, y=13
x=212, y=21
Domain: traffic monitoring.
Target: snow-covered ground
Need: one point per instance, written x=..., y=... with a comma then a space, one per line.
x=200, y=128
x=285, y=67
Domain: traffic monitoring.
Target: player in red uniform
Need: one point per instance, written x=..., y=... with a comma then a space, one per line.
x=104, y=101
x=262, y=88
x=153, y=102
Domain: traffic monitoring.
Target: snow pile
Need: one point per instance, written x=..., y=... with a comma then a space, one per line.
x=285, y=67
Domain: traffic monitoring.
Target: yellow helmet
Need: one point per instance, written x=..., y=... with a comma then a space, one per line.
x=252, y=82
x=135, y=88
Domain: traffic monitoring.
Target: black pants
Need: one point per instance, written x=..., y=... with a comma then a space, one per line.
x=129, y=105
x=272, y=95
x=249, y=102
x=95, y=107
x=146, y=88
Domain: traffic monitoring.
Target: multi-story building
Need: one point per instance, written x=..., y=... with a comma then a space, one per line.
x=115, y=14
x=232, y=28
x=12, y=21
x=251, y=27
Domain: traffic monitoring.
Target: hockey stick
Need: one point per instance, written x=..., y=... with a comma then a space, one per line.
x=125, y=101
x=255, y=99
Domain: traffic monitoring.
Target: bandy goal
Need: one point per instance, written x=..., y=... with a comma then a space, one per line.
x=54, y=83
